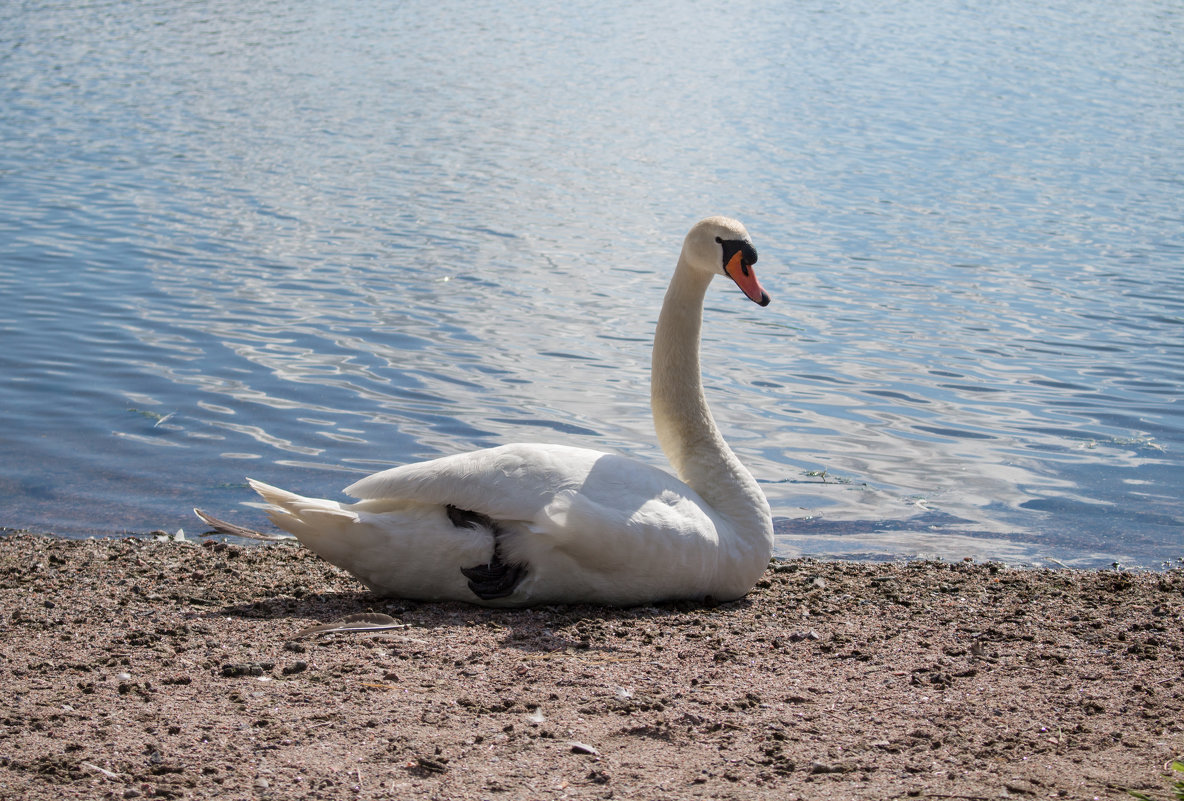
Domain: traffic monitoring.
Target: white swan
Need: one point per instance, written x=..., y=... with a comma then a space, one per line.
x=531, y=524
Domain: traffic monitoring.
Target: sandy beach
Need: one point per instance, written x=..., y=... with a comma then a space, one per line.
x=135, y=668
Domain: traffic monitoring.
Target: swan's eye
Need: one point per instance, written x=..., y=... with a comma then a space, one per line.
x=741, y=247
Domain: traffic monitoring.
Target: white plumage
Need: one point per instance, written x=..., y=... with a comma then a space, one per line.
x=526, y=524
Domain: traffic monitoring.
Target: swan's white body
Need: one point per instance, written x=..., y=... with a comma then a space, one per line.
x=558, y=524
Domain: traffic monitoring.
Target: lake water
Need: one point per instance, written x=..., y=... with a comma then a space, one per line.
x=302, y=241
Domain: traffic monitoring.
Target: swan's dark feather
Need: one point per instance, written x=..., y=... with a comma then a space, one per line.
x=496, y=579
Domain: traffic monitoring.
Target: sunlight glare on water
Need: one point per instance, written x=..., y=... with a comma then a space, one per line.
x=311, y=240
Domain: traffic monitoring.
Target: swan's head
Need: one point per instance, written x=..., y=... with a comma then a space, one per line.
x=721, y=245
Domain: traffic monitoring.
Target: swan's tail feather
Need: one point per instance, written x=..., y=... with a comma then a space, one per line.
x=395, y=547
x=312, y=520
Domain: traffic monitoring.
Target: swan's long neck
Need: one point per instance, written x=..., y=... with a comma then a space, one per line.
x=685, y=427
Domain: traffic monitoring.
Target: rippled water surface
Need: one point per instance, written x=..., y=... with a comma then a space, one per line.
x=303, y=241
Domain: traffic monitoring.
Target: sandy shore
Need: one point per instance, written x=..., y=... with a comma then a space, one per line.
x=142, y=669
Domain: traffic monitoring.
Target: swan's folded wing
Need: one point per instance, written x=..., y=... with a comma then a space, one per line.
x=511, y=482
x=553, y=487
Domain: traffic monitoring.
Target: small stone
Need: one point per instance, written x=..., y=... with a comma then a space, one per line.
x=831, y=767
x=299, y=666
x=431, y=765
x=230, y=670
x=583, y=748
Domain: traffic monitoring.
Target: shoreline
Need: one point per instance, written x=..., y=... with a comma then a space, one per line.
x=141, y=668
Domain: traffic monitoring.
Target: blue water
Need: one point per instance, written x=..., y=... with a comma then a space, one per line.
x=308, y=240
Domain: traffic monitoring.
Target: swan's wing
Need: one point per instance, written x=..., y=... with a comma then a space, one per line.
x=555, y=488
x=511, y=482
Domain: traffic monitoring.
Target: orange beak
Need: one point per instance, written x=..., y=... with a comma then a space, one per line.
x=745, y=278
